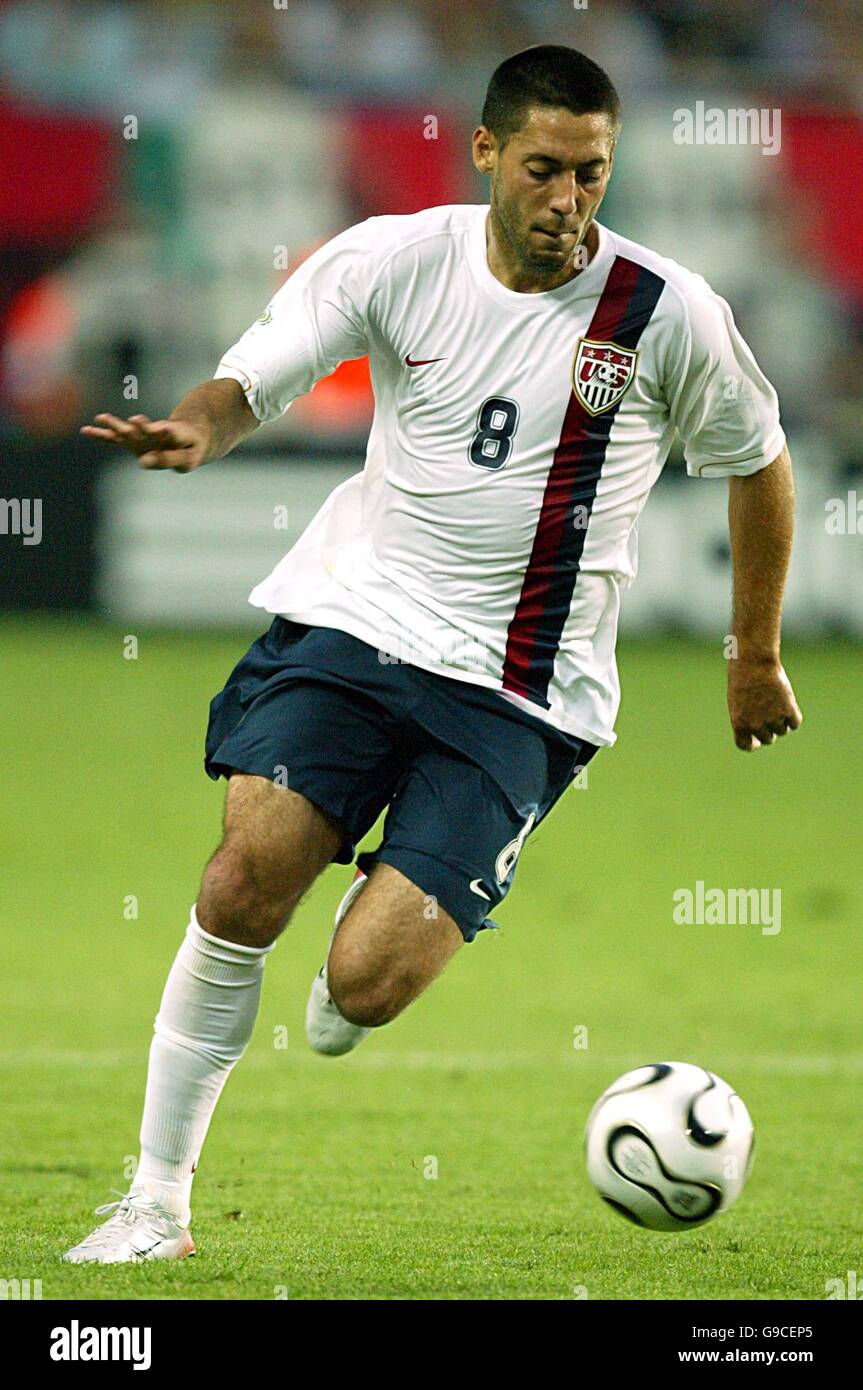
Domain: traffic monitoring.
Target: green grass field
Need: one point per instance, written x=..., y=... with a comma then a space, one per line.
x=312, y=1183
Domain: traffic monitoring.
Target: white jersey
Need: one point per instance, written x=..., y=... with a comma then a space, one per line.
x=515, y=440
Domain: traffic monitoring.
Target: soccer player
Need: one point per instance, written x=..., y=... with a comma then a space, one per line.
x=444, y=631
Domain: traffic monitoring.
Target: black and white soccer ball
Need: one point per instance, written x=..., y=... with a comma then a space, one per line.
x=669, y=1146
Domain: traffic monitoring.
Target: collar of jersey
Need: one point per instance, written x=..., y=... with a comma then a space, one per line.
x=587, y=283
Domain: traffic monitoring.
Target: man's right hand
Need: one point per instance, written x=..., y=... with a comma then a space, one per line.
x=156, y=443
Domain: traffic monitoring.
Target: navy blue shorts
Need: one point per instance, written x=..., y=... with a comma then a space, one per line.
x=466, y=775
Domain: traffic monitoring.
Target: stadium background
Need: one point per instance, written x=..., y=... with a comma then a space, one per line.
x=166, y=165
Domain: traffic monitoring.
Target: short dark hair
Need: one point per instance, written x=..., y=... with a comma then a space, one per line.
x=547, y=75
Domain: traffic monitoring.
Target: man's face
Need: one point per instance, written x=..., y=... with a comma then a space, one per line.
x=547, y=183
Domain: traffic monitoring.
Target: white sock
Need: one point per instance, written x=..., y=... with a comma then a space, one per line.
x=205, y=1020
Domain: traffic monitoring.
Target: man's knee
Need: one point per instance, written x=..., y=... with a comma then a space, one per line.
x=241, y=900
x=276, y=843
x=386, y=952
x=368, y=1002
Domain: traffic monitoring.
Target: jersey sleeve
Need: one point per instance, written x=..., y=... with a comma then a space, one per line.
x=724, y=408
x=317, y=319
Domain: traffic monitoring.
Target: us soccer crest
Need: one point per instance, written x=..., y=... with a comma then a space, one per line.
x=601, y=373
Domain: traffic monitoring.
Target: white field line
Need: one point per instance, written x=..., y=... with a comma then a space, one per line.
x=367, y=1059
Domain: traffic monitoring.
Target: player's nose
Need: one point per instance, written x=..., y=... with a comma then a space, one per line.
x=564, y=199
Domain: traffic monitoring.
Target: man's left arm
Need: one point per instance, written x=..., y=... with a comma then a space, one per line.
x=761, y=703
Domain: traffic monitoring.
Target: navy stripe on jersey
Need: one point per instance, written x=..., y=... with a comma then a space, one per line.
x=624, y=309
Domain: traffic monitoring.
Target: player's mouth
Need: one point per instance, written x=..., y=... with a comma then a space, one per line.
x=555, y=236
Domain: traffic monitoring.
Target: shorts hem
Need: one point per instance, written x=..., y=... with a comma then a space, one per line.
x=216, y=768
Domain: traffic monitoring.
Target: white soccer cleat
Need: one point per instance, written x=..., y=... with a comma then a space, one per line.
x=326, y=1030
x=140, y=1229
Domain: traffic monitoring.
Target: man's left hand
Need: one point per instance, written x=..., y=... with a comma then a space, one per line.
x=761, y=703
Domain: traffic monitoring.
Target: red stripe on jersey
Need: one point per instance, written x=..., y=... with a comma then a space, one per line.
x=624, y=308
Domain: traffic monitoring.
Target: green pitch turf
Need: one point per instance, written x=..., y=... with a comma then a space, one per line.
x=316, y=1181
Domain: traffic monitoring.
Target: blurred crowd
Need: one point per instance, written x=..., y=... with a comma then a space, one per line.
x=172, y=160
x=90, y=54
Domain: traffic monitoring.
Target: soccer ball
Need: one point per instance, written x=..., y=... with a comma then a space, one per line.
x=669, y=1146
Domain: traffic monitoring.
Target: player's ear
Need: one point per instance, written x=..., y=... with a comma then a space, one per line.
x=483, y=145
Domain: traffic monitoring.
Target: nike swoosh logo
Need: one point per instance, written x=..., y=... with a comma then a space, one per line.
x=142, y=1254
x=475, y=887
x=422, y=361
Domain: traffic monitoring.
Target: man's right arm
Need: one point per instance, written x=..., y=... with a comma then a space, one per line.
x=209, y=422
x=315, y=320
